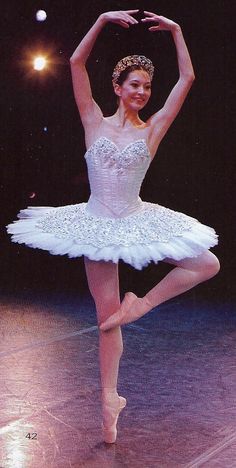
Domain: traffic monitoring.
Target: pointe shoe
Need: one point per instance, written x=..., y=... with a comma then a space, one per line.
x=111, y=414
x=121, y=316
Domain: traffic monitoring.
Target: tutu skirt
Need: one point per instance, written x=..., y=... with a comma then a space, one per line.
x=150, y=235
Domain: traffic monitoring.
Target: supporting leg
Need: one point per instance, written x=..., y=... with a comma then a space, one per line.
x=187, y=274
x=103, y=281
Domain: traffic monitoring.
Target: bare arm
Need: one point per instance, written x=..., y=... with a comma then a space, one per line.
x=161, y=121
x=88, y=108
x=90, y=112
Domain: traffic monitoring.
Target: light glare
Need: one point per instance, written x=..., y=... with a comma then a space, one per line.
x=41, y=15
x=39, y=63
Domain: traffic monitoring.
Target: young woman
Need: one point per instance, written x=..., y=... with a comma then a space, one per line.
x=115, y=223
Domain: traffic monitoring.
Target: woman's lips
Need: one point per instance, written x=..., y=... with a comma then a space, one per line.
x=139, y=99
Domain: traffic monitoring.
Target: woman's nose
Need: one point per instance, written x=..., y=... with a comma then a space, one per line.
x=141, y=90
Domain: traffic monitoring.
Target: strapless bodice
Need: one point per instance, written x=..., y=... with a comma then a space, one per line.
x=116, y=176
x=115, y=224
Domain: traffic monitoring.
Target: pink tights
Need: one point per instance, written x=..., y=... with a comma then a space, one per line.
x=103, y=281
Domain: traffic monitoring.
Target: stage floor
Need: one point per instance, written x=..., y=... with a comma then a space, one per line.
x=177, y=372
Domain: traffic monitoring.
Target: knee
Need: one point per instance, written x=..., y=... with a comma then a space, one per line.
x=211, y=265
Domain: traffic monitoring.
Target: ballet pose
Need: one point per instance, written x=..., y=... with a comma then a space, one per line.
x=115, y=223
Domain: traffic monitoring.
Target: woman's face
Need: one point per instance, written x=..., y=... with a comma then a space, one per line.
x=135, y=91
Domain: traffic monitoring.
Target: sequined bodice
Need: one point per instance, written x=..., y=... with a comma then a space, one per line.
x=115, y=176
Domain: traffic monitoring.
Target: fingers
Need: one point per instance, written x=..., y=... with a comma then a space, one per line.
x=147, y=20
x=153, y=18
x=149, y=13
x=122, y=17
x=154, y=28
x=150, y=17
x=132, y=20
x=123, y=24
x=128, y=18
x=131, y=12
x=125, y=18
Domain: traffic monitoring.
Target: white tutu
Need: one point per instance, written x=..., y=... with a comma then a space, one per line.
x=115, y=224
x=152, y=234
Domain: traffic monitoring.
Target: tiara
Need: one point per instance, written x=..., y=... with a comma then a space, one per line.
x=130, y=60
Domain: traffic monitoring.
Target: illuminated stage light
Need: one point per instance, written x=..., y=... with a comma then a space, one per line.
x=41, y=15
x=39, y=63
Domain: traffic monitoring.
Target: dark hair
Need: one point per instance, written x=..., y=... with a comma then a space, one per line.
x=124, y=74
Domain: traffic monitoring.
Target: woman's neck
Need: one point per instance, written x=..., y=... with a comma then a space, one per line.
x=124, y=118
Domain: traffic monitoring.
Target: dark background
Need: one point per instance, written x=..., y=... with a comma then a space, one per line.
x=194, y=170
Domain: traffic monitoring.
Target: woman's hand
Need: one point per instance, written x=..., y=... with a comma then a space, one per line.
x=164, y=24
x=123, y=18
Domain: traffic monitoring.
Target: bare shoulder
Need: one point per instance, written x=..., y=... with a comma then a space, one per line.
x=152, y=132
x=157, y=126
x=94, y=129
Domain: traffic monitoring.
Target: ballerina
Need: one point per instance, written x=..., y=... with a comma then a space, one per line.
x=115, y=223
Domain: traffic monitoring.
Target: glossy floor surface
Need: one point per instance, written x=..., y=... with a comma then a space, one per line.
x=177, y=372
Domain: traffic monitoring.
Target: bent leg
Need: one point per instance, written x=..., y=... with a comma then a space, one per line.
x=187, y=274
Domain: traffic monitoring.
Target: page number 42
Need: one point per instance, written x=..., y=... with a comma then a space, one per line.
x=31, y=435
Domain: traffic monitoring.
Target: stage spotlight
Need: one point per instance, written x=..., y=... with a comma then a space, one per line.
x=40, y=63
x=41, y=15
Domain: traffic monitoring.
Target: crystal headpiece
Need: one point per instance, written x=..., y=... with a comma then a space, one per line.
x=130, y=60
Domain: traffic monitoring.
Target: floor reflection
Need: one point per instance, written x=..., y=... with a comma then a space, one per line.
x=177, y=373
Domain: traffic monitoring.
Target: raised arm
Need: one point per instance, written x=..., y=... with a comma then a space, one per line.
x=161, y=121
x=89, y=110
